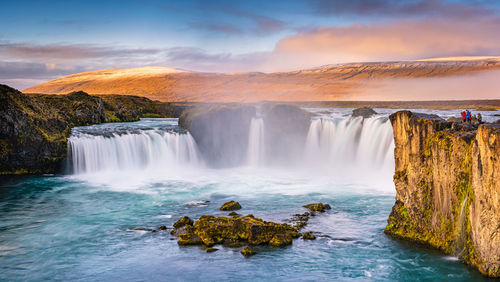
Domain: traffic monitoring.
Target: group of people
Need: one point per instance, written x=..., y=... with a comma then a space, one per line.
x=467, y=116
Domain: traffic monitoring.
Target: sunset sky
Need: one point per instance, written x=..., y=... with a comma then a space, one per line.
x=42, y=40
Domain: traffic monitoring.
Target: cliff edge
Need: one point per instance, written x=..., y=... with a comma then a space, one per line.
x=34, y=128
x=448, y=188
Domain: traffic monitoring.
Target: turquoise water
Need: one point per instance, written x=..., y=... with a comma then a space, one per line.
x=77, y=227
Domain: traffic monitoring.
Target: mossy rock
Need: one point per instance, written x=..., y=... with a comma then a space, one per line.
x=230, y=206
x=183, y=221
x=211, y=250
x=233, y=214
x=320, y=207
x=211, y=230
x=189, y=238
x=162, y=227
x=248, y=252
x=281, y=240
x=308, y=236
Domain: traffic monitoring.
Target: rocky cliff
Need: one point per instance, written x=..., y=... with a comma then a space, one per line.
x=222, y=130
x=448, y=189
x=34, y=128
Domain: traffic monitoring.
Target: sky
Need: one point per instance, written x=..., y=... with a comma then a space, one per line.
x=43, y=40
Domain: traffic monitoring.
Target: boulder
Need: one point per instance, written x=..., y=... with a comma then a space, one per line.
x=211, y=250
x=364, y=112
x=248, y=252
x=183, y=221
x=317, y=207
x=230, y=206
x=308, y=236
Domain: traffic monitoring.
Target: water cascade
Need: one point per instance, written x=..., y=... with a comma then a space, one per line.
x=255, y=154
x=134, y=151
x=351, y=144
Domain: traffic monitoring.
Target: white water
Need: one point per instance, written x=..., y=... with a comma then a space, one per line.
x=335, y=150
x=352, y=148
x=256, y=149
x=148, y=149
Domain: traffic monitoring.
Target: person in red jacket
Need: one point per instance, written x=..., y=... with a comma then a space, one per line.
x=464, y=116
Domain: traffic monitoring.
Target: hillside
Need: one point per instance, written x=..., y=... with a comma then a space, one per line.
x=327, y=83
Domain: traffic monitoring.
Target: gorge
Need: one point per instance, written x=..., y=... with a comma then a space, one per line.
x=272, y=158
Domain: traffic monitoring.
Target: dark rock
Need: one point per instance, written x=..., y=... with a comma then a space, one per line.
x=211, y=250
x=364, y=112
x=248, y=252
x=162, y=227
x=317, y=207
x=189, y=238
x=221, y=131
x=285, y=129
x=230, y=206
x=182, y=230
x=233, y=214
x=308, y=236
x=183, y=221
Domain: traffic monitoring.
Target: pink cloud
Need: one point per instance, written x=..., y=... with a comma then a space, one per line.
x=396, y=40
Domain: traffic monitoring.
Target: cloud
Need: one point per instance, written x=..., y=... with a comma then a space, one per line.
x=397, y=8
x=12, y=70
x=397, y=40
x=66, y=52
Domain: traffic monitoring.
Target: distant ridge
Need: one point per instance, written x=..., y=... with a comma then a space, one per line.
x=326, y=83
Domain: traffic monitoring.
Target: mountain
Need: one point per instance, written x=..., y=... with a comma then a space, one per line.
x=327, y=83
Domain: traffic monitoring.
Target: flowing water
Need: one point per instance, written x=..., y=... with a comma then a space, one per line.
x=78, y=225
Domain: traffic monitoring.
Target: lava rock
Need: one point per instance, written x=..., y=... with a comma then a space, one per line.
x=211, y=250
x=183, y=221
x=230, y=206
x=248, y=252
x=320, y=207
x=308, y=236
x=364, y=112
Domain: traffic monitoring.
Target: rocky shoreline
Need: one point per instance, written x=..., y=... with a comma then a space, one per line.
x=448, y=193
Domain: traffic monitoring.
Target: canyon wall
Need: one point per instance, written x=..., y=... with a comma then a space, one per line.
x=34, y=128
x=448, y=188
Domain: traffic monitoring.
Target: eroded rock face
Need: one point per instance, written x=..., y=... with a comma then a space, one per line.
x=446, y=179
x=34, y=128
x=222, y=131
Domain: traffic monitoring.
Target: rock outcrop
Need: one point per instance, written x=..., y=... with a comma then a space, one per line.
x=364, y=112
x=34, y=128
x=448, y=189
x=222, y=131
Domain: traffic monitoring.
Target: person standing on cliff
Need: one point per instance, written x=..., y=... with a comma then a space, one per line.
x=479, y=118
x=469, y=116
x=463, y=116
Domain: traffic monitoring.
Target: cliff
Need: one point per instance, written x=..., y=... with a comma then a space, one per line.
x=222, y=131
x=448, y=189
x=34, y=128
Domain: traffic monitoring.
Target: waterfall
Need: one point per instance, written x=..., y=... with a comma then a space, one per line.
x=351, y=144
x=89, y=153
x=255, y=153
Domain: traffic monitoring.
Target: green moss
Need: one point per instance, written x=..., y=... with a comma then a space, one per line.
x=401, y=175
